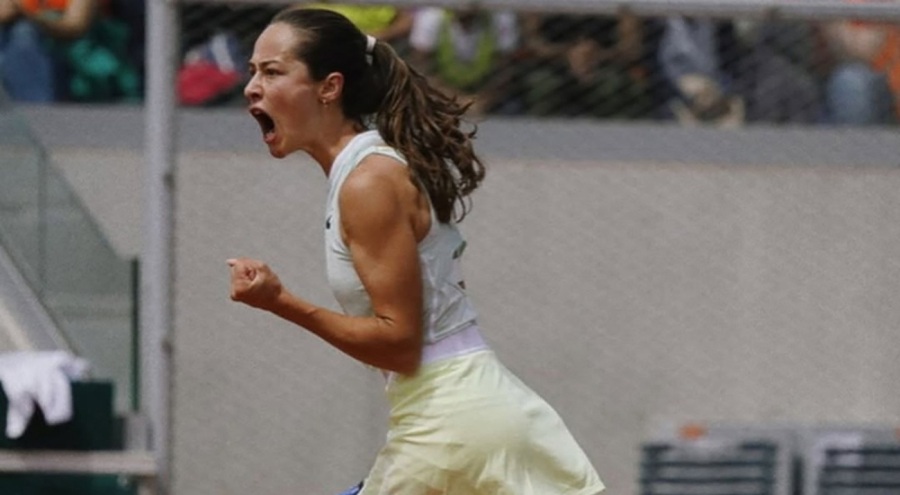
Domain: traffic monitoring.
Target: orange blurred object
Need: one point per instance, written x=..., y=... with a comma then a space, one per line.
x=33, y=6
x=888, y=61
x=692, y=431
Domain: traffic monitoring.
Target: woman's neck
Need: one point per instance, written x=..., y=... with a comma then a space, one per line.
x=332, y=143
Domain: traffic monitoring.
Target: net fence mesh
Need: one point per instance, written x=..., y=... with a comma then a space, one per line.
x=716, y=70
x=631, y=293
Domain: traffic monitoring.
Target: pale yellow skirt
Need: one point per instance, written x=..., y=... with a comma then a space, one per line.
x=467, y=426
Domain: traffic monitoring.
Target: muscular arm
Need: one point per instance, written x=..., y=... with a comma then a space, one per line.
x=378, y=222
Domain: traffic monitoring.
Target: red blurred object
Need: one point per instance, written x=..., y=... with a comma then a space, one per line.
x=203, y=82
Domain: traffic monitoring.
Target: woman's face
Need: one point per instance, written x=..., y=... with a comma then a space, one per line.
x=282, y=96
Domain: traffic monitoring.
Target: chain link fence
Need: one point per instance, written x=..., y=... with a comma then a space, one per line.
x=715, y=70
x=633, y=261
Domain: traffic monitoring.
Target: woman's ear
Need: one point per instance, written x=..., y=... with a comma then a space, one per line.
x=331, y=88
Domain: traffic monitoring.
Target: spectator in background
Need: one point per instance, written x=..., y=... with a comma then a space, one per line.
x=586, y=65
x=385, y=22
x=777, y=71
x=29, y=70
x=69, y=50
x=133, y=15
x=887, y=60
x=468, y=52
x=863, y=87
x=697, y=61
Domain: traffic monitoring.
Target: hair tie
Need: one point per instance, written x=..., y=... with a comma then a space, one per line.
x=370, y=47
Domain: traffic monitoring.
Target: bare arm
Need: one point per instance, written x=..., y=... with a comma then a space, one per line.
x=377, y=220
x=630, y=37
x=399, y=27
x=9, y=11
x=73, y=22
x=534, y=40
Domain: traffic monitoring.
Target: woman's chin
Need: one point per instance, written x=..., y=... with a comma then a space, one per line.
x=277, y=150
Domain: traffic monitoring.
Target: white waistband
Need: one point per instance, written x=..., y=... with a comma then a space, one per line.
x=462, y=342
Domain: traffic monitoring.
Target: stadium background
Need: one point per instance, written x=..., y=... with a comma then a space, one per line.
x=637, y=274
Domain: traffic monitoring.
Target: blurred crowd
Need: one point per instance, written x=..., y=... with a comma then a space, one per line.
x=72, y=50
x=711, y=71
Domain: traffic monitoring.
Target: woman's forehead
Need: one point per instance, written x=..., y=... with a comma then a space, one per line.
x=276, y=42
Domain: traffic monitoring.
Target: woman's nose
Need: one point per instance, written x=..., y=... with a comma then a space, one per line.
x=251, y=89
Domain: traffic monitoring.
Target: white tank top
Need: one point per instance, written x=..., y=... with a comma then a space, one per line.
x=447, y=309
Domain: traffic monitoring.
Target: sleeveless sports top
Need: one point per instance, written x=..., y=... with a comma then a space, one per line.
x=446, y=308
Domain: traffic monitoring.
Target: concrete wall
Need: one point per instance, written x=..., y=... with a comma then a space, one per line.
x=635, y=276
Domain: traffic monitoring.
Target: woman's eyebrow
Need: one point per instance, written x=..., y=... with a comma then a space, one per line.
x=262, y=64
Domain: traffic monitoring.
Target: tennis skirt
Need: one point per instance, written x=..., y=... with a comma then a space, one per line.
x=467, y=426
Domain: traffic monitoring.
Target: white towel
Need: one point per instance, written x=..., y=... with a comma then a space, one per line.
x=41, y=378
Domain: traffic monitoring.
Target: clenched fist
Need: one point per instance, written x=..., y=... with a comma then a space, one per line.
x=254, y=283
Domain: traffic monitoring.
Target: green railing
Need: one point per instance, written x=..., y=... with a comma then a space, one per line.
x=87, y=288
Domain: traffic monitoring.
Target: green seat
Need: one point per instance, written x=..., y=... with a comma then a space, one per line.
x=92, y=427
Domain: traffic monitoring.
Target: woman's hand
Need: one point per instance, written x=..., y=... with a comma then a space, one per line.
x=254, y=283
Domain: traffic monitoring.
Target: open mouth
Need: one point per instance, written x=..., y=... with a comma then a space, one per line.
x=266, y=124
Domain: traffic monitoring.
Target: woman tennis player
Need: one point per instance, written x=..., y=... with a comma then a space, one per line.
x=399, y=171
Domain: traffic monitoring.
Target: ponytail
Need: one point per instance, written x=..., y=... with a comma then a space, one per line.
x=424, y=125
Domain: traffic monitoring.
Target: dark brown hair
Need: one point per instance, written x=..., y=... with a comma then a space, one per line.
x=416, y=119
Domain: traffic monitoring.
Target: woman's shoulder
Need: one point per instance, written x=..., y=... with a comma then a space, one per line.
x=377, y=175
x=369, y=143
x=378, y=166
x=375, y=193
